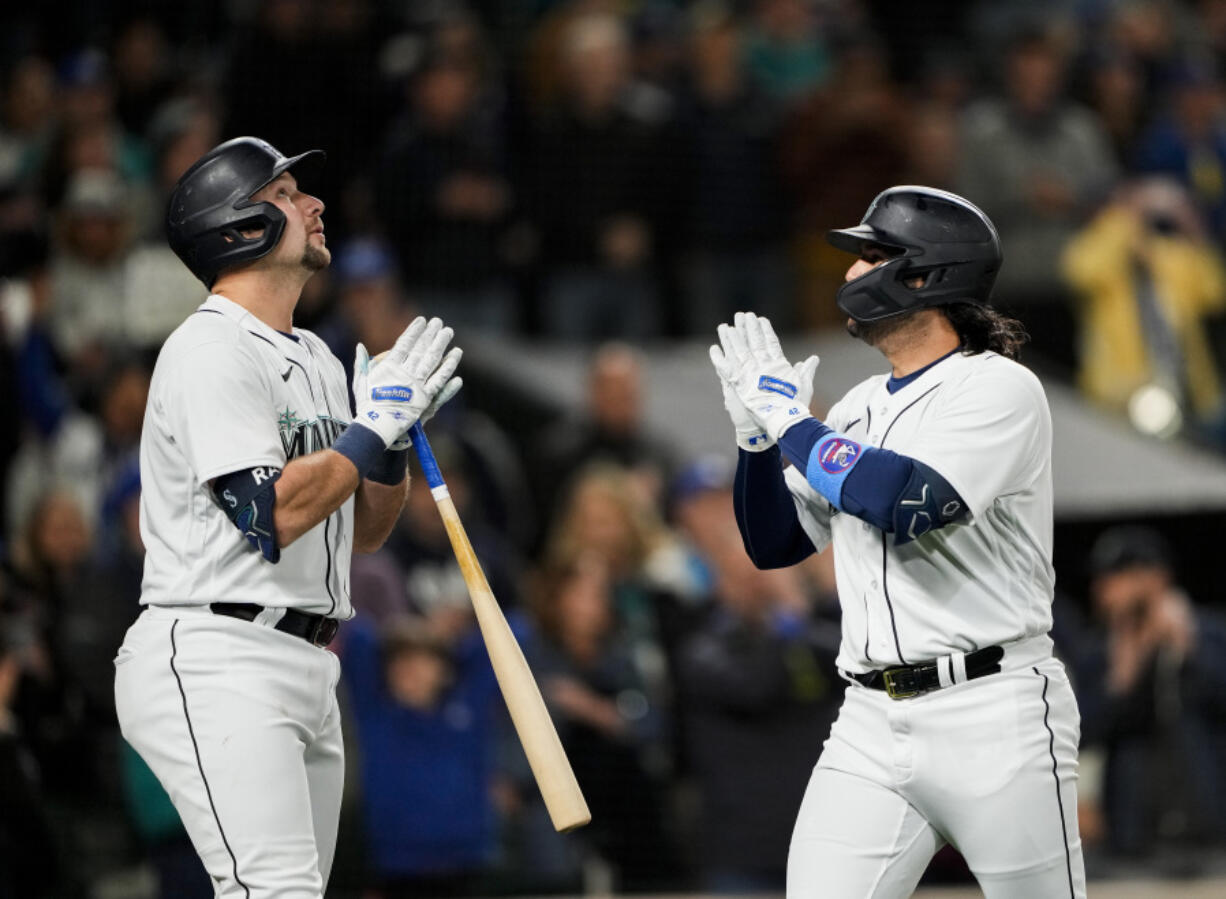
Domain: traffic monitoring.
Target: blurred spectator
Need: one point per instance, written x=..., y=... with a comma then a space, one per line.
x=840, y=147
x=88, y=271
x=444, y=197
x=27, y=122
x=1115, y=91
x=423, y=695
x=300, y=103
x=416, y=571
x=606, y=719
x=84, y=452
x=611, y=428
x=1188, y=139
x=601, y=185
x=1035, y=161
x=90, y=133
x=736, y=215
x=370, y=304
x=657, y=31
x=48, y=562
x=179, y=871
x=159, y=290
x=787, y=52
x=143, y=73
x=756, y=690
x=607, y=516
x=29, y=858
x=933, y=154
x=759, y=690
x=1148, y=279
x=1162, y=707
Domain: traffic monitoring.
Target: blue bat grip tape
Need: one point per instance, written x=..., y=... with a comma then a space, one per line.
x=425, y=455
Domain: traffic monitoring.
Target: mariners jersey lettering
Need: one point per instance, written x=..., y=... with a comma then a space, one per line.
x=230, y=393
x=982, y=423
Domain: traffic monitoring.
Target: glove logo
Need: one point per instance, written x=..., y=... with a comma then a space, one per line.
x=837, y=454
x=775, y=385
x=396, y=394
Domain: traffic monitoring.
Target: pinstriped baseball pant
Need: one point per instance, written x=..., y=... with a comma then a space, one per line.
x=989, y=766
x=240, y=724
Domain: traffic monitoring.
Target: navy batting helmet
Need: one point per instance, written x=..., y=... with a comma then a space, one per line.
x=211, y=206
x=930, y=234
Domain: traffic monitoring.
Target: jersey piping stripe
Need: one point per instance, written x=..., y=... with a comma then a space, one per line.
x=868, y=424
x=323, y=388
x=1051, y=749
x=174, y=651
x=263, y=338
x=885, y=585
x=328, y=520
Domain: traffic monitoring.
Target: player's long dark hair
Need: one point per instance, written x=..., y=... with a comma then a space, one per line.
x=982, y=328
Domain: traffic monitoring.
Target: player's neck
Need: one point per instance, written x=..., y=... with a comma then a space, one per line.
x=926, y=338
x=268, y=297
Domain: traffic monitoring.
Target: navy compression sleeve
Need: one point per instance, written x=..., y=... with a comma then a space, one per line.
x=248, y=498
x=892, y=492
x=765, y=513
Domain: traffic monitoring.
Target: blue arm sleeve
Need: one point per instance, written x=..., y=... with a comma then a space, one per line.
x=892, y=492
x=248, y=498
x=765, y=513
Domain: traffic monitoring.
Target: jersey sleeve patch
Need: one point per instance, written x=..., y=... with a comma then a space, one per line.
x=248, y=498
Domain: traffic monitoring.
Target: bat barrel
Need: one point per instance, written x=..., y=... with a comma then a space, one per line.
x=554, y=775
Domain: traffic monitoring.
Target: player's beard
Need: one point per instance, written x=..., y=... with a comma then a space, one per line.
x=314, y=258
x=874, y=332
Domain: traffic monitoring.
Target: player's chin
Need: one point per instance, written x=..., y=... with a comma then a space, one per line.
x=316, y=257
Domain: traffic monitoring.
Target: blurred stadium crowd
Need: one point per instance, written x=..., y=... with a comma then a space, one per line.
x=619, y=174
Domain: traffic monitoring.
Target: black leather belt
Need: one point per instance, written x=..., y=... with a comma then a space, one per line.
x=317, y=629
x=906, y=681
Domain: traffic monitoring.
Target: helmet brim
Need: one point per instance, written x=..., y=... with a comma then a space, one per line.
x=852, y=240
x=313, y=159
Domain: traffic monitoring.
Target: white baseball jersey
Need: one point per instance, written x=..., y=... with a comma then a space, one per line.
x=230, y=393
x=982, y=423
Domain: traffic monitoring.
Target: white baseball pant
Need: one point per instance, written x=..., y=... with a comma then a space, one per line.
x=240, y=724
x=989, y=766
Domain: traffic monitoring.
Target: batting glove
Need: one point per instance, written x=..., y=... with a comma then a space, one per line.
x=775, y=393
x=750, y=435
x=398, y=391
x=363, y=363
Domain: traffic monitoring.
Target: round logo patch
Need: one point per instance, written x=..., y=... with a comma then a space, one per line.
x=837, y=454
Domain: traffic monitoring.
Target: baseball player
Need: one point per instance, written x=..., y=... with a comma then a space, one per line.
x=258, y=484
x=933, y=483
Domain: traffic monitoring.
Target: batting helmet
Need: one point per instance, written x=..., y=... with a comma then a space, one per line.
x=934, y=235
x=211, y=206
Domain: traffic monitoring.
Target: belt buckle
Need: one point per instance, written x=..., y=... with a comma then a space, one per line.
x=901, y=683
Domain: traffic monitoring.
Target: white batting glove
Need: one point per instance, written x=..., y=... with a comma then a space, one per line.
x=450, y=389
x=750, y=435
x=394, y=394
x=775, y=393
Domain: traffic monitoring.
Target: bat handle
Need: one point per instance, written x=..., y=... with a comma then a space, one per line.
x=425, y=455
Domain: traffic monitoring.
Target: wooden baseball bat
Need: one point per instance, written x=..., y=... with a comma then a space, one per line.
x=550, y=767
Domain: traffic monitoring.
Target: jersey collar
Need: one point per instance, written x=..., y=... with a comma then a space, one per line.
x=244, y=317
x=893, y=385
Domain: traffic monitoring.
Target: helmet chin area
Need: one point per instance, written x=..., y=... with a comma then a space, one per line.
x=878, y=293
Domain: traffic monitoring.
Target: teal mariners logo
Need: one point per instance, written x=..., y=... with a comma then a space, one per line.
x=301, y=437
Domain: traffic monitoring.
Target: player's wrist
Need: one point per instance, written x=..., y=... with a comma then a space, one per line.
x=777, y=420
x=362, y=445
x=754, y=440
x=390, y=467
